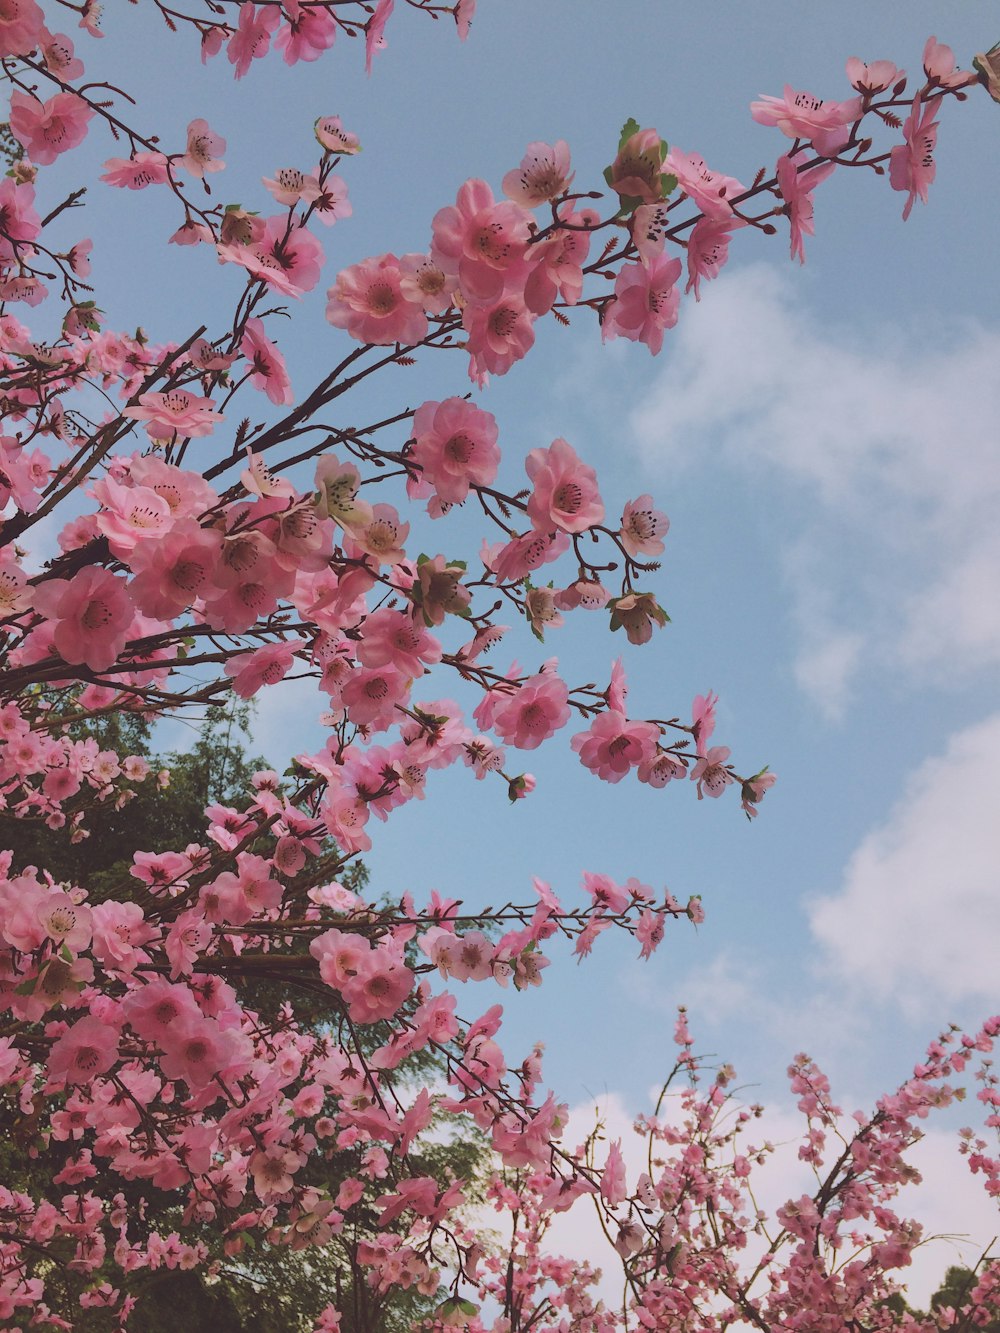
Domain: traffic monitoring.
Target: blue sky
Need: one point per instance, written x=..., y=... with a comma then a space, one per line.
x=824, y=440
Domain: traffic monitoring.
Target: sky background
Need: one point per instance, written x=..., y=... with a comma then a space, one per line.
x=824, y=440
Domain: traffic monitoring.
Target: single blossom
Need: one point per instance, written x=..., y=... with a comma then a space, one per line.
x=796, y=189
x=204, y=150
x=543, y=175
x=369, y=302
x=564, y=490
x=646, y=301
x=911, y=164
x=268, y=372
x=46, y=129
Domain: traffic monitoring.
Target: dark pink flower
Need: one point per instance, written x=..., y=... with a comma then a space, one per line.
x=135, y=173
x=375, y=31
x=268, y=371
x=90, y=615
x=480, y=242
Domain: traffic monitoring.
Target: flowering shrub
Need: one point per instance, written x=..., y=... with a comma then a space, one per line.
x=130, y=1032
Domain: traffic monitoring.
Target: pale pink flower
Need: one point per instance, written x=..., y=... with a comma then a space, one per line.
x=541, y=610
x=455, y=446
x=649, y=932
x=289, y=186
x=796, y=189
x=204, y=150
x=480, y=242
x=136, y=172
x=708, y=251
x=268, y=372
x=637, y=171
x=90, y=616
x=873, y=78
x=371, y=695
x=337, y=484
x=368, y=301
x=47, y=129
x=176, y=413
x=331, y=203
x=703, y=719
x=710, y=772
x=88, y=1048
x=646, y=302
x=710, y=190
x=940, y=68
x=535, y=712
x=332, y=136
x=564, y=490
x=21, y=27
x=392, y=638
x=425, y=284
x=57, y=52
x=439, y=590
x=382, y=537
x=252, y=38
x=911, y=164
x=375, y=31
x=544, y=174
x=586, y=594
x=307, y=34
x=754, y=790
x=129, y=515
x=464, y=12
x=660, y=769
x=613, y=745
x=800, y=115
x=643, y=528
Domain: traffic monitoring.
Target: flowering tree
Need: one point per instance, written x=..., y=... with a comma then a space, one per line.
x=133, y=1031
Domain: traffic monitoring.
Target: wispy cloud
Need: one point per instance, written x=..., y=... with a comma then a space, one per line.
x=917, y=917
x=876, y=451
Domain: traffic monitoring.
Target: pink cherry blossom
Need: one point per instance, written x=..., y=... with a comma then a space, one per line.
x=800, y=115
x=287, y=257
x=480, y=242
x=544, y=174
x=90, y=615
x=21, y=27
x=796, y=189
x=646, y=301
x=498, y=335
x=637, y=171
x=911, y=164
x=252, y=38
x=710, y=190
x=332, y=137
x=613, y=745
x=204, y=150
x=564, y=490
x=269, y=373
x=455, y=446
x=643, y=528
x=708, y=251
x=872, y=78
x=266, y=666
x=176, y=413
x=710, y=772
x=534, y=712
x=46, y=129
x=290, y=186
x=940, y=67
x=375, y=31
x=85, y=1050
x=136, y=172
x=369, y=302
x=307, y=34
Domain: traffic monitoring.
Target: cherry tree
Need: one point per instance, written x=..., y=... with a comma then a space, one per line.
x=202, y=555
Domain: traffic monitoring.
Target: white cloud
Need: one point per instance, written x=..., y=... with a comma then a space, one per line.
x=917, y=917
x=877, y=452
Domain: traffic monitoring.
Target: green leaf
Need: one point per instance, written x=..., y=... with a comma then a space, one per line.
x=630, y=127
